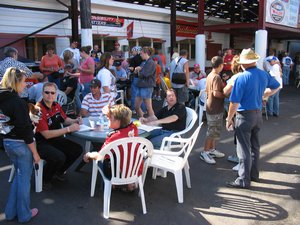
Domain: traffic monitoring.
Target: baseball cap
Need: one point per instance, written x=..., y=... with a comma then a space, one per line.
x=95, y=83
x=269, y=59
x=196, y=65
x=117, y=63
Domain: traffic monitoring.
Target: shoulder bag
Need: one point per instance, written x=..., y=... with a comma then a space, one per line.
x=178, y=77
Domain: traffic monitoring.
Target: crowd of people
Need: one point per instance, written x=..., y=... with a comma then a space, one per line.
x=235, y=89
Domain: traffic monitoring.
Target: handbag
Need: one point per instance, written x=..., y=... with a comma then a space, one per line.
x=178, y=77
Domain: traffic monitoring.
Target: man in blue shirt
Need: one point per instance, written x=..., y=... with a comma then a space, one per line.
x=246, y=102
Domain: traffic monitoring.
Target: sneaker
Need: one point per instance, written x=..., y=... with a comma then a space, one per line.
x=216, y=154
x=233, y=158
x=206, y=157
x=236, y=168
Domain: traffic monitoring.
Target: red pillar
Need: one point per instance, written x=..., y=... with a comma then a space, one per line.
x=201, y=5
x=262, y=15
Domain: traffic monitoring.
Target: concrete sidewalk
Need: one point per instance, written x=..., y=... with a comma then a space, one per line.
x=275, y=200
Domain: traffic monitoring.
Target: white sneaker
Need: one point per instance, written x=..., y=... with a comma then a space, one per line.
x=216, y=154
x=236, y=168
x=205, y=156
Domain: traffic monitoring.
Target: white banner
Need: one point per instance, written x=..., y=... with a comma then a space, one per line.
x=283, y=12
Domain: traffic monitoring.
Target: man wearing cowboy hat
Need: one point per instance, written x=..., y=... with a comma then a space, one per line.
x=246, y=102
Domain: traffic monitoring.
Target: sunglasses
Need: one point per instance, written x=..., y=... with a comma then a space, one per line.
x=49, y=92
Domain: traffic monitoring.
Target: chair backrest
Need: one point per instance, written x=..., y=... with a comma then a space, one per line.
x=61, y=97
x=188, y=147
x=191, y=118
x=126, y=158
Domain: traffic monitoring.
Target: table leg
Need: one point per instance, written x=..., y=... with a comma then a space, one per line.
x=87, y=149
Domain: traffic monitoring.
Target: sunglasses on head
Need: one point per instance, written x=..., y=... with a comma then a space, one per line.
x=49, y=92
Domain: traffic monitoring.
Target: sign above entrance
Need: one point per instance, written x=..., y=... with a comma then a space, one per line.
x=284, y=12
x=107, y=21
x=186, y=29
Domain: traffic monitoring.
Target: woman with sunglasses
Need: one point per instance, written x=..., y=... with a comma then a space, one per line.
x=19, y=145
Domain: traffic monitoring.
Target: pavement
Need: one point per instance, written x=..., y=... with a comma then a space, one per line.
x=275, y=200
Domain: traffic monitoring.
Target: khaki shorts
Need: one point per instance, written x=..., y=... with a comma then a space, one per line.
x=214, y=125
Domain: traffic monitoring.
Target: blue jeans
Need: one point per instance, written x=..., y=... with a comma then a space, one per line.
x=19, y=196
x=156, y=136
x=133, y=95
x=286, y=75
x=273, y=104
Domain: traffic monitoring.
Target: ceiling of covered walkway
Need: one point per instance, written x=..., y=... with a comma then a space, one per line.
x=243, y=14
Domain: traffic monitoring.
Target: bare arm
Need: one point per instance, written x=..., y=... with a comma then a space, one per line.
x=227, y=90
x=231, y=112
x=106, y=89
x=169, y=119
x=187, y=73
x=36, y=156
x=268, y=92
x=84, y=112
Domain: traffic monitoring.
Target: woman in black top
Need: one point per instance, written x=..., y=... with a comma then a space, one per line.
x=19, y=145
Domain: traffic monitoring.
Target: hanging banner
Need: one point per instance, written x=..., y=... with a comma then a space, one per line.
x=130, y=30
x=107, y=21
x=186, y=29
x=283, y=12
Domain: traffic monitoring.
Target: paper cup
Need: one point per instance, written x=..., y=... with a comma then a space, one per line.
x=93, y=121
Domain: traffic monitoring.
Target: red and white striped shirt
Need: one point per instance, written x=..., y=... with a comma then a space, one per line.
x=95, y=106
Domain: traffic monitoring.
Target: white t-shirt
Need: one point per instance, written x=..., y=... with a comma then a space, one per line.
x=201, y=85
x=275, y=72
x=107, y=80
x=75, y=52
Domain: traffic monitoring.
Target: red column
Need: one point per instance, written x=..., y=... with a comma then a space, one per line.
x=201, y=5
x=262, y=15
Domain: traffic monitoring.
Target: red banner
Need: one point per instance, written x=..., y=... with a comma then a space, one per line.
x=186, y=29
x=130, y=30
x=107, y=21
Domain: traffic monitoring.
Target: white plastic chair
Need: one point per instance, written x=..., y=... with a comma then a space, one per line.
x=122, y=96
x=202, y=108
x=37, y=173
x=191, y=118
x=175, y=162
x=128, y=173
x=61, y=97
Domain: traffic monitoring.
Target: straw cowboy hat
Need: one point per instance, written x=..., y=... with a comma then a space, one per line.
x=248, y=56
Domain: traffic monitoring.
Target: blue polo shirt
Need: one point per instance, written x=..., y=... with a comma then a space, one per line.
x=249, y=88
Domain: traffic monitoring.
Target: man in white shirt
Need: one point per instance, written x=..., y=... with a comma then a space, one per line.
x=273, y=100
x=73, y=48
x=287, y=64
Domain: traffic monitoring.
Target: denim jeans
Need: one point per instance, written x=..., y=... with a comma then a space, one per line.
x=273, y=104
x=19, y=197
x=157, y=135
x=133, y=95
x=286, y=75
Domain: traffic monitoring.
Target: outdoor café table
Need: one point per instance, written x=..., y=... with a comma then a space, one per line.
x=96, y=136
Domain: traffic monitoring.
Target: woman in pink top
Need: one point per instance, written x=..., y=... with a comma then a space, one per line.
x=86, y=69
x=51, y=64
